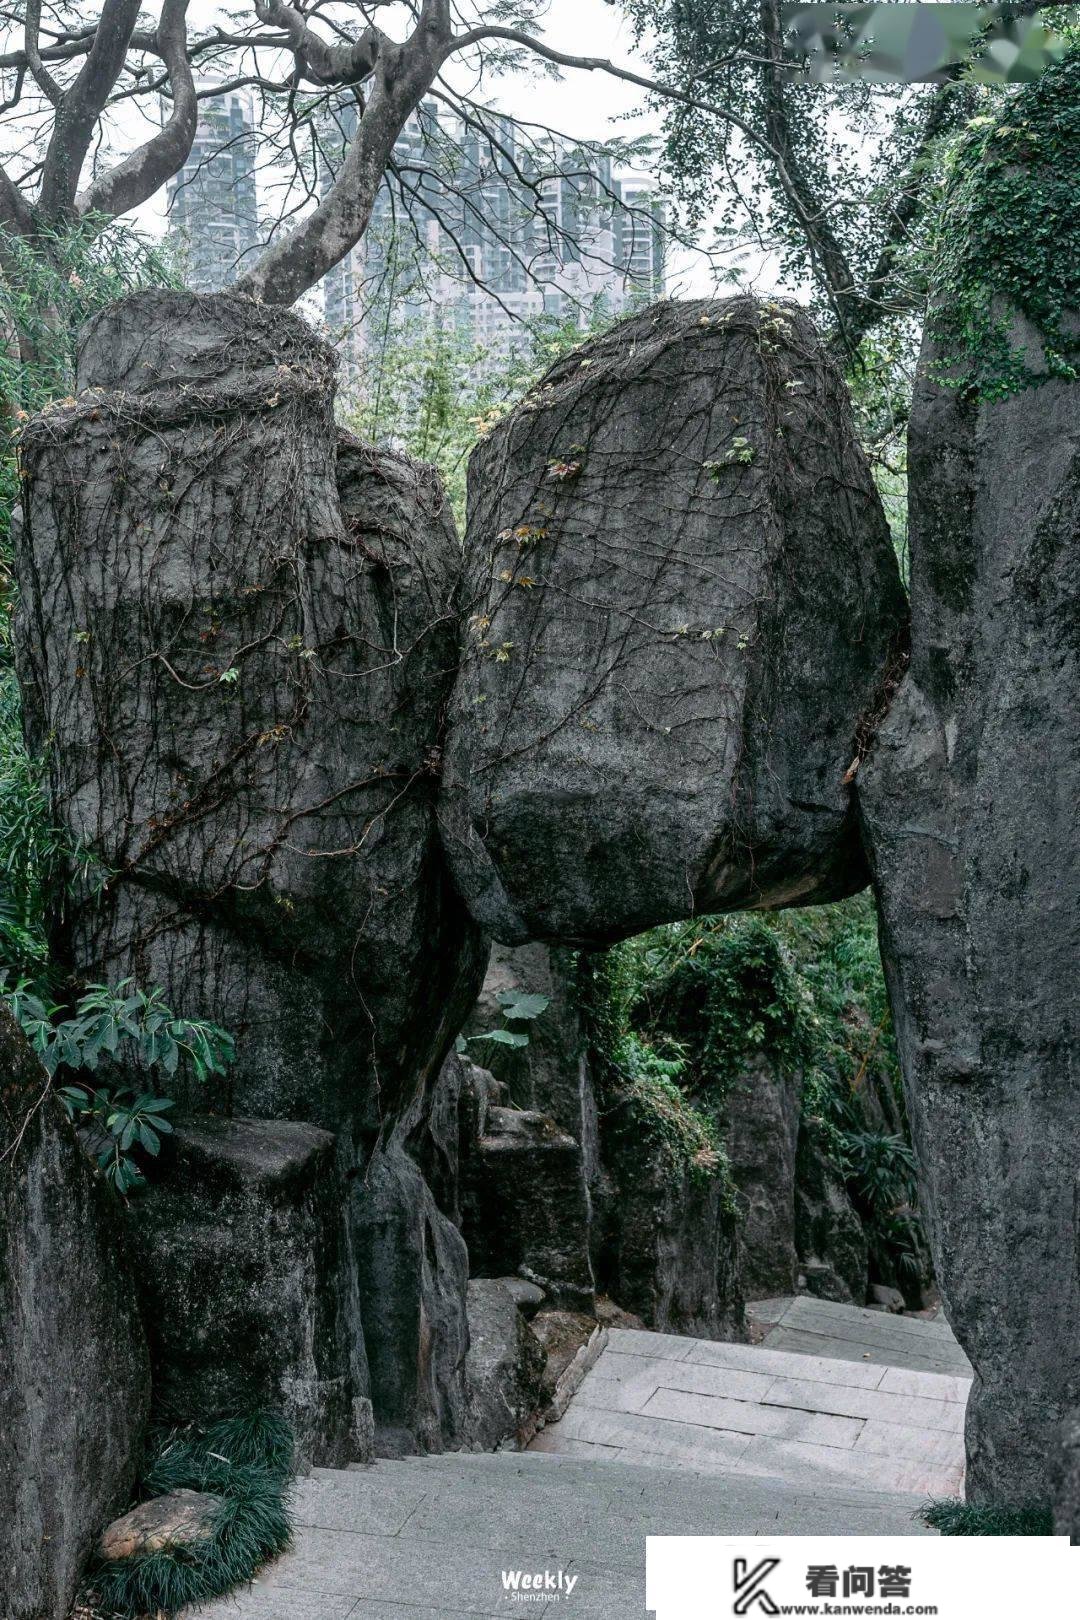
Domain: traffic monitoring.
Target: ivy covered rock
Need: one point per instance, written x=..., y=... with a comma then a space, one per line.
x=236, y=640
x=683, y=605
x=74, y=1372
x=237, y=635
x=968, y=805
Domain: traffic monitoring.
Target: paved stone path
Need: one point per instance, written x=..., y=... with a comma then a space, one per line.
x=666, y=1436
x=806, y=1419
x=816, y=1327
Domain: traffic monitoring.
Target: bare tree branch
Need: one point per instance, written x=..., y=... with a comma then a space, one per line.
x=81, y=107
x=141, y=174
x=402, y=75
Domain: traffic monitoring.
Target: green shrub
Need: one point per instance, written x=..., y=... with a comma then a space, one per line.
x=247, y=1462
x=1007, y=241
x=954, y=1518
x=804, y=989
x=118, y=1030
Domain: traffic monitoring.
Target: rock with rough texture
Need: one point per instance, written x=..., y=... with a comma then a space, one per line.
x=550, y=1075
x=761, y=1113
x=503, y=1369
x=182, y=1518
x=684, y=602
x=1065, y=1479
x=237, y=636
x=74, y=1374
x=525, y=1205
x=571, y=1341
x=666, y=1239
x=247, y=1285
x=830, y=1238
x=413, y=1271
x=968, y=803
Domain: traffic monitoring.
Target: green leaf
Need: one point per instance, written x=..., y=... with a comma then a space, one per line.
x=518, y=1006
x=504, y=1037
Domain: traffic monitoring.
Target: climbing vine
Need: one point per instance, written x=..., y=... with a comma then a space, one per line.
x=1007, y=242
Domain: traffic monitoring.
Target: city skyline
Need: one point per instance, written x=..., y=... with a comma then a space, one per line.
x=477, y=225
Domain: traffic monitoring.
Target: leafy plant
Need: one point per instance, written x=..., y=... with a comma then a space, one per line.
x=517, y=1007
x=802, y=989
x=1007, y=242
x=246, y=1461
x=119, y=1030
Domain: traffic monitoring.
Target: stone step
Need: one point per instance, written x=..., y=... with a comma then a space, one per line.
x=666, y=1436
x=429, y=1538
x=819, y=1327
x=686, y=1488
x=753, y=1410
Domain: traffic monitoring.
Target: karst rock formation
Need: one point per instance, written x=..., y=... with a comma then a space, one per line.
x=969, y=806
x=320, y=756
x=682, y=605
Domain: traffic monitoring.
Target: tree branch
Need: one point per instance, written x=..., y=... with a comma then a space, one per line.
x=42, y=77
x=142, y=173
x=81, y=106
x=402, y=75
x=316, y=60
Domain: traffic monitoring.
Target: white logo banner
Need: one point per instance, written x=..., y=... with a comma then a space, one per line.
x=951, y=1577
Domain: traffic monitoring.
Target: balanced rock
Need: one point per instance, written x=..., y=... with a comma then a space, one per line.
x=683, y=605
x=181, y=1519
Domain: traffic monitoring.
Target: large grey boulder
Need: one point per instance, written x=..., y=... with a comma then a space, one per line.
x=237, y=635
x=526, y=1207
x=413, y=1269
x=830, y=1238
x=969, y=809
x=683, y=601
x=74, y=1374
x=504, y=1367
x=236, y=638
x=666, y=1243
x=247, y=1284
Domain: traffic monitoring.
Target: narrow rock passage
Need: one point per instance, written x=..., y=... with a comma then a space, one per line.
x=666, y=1436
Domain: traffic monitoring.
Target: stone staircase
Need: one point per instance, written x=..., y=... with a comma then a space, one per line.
x=665, y=1436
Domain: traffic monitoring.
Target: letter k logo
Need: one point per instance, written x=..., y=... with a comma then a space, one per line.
x=749, y=1587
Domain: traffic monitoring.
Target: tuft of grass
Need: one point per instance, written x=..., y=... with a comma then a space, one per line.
x=955, y=1518
x=246, y=1461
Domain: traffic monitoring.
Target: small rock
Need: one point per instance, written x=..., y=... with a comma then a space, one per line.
x=610, y=1315
x=526, y=1295
x=883, y=1298
x=176, y=1520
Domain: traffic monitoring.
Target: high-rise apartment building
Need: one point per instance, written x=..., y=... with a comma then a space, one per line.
x=474, y=224
x=213, y=205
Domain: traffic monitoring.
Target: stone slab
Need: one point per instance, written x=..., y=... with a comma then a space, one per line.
x=752, y=1417
x=910, y=1410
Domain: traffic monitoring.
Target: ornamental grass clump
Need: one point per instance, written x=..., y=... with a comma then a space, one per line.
x=246, y=1462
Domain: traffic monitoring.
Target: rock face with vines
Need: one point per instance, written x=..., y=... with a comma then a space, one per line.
x=237, y=637
x=682, y=598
